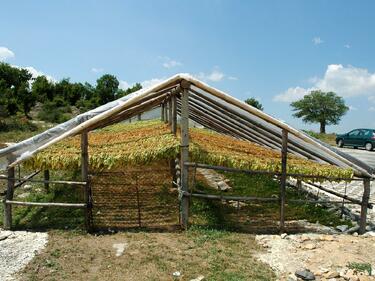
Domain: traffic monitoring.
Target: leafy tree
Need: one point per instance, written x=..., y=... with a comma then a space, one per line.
x=122, y=93
x=255, y=103
x=106, y=88
x=43, y=89
x=320, y=107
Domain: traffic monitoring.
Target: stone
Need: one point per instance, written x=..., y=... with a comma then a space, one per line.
x=284, y=235
x=305, y=274
x=352, y=229
x=342, y=228
x=176, y=274
x=221, y=185
x=4, y=236
x=199, y=278
x=332, y=274
x=310, y=246
x=355, y=234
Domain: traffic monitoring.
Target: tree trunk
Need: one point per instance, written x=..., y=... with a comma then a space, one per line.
x=322, y=127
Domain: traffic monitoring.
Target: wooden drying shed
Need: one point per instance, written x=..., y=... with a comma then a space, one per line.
x=192, y=99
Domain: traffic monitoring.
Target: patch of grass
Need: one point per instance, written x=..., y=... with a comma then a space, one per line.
x=220, y=215
x=17, y=136
x=361, y=267
x=327, y=138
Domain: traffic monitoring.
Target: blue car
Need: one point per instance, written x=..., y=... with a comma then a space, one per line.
x=357, y=138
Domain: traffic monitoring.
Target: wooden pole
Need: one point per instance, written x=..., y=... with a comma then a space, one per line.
x=46, y=178
x=165, y=112
x=184, y=212
x=139, y=117
x=85, y=177
x=174, y=114
x=9, y=196
x=162, y=112
x=170, y=112
x=284, y=152
x=365, y=199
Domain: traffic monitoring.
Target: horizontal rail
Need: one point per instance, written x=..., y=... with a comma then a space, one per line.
x=45, y=204
x=25, y=179
x=221, y=168
x=46, y=181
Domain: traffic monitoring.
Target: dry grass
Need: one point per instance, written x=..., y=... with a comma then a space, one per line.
x=149, y=256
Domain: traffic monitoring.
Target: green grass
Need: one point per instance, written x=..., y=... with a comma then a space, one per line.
x=216, y=215
x=361, y=267
x=327, y=138
x=17, y=136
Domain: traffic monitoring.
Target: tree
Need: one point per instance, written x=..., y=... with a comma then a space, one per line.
x=253, y=102
x=106, y=88
x=320, y=107
x=43, y=89
x=122, y=93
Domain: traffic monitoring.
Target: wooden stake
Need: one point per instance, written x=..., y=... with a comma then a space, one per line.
x=174, y=114
x=9, y=196
x=365, y=199
x=284, y=152
x=139, y=117
x=46, y=178
x=184, y=154
x=85, y=177
x=165, y=112
x=170, y=117
x=162, y=112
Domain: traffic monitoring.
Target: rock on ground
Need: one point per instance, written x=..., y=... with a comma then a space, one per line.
x=17, y=249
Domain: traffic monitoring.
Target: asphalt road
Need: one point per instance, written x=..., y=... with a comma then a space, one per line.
x=366, y=156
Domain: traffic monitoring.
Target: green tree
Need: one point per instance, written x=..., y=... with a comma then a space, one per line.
x=325, y=108
x=106, y=88
x=43, y=89
x=255, y=103
x=134, y=88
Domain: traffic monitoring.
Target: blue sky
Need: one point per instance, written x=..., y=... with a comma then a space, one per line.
x=275, y=51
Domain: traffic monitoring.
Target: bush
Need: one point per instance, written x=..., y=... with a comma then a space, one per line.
x=55, y=111
x=16, y=123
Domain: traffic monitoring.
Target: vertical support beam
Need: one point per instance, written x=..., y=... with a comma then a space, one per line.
x=365, y=199
x=46, y=178
x=9, y=196
x=184, y=212
x=284, y=152
x=162, y=112
x=139, y=117
x=174, y=114
x=85, y=177
x=170, y=111
x=165, y=112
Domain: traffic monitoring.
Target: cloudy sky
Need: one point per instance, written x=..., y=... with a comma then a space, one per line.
x=276, y=51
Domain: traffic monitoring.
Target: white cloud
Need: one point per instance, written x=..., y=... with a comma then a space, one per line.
x=353, y=108
x=346, y=81
x=347, y=46
x=214, y=76
x=151, y=82
x=35, y=73
x=123, y=85
x=232, y=78
x=169, y=63
x=371, y=108
x=317, y=41
x=97, y=70
x=5, y=53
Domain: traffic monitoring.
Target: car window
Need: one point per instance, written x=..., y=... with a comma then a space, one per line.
x=354, y=133
x=368, y=133
x=362, y=133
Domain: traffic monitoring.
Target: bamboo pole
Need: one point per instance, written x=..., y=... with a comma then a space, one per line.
x=9, y=196
x=365, y=199
x=184, y=153
x=85, y=177
x=45, y=204
x=284, y=153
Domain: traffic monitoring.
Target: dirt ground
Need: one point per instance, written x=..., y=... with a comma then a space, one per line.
x=317, y=252
x=149, y=256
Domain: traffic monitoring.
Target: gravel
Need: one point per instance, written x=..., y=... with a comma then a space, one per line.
x=17, y=248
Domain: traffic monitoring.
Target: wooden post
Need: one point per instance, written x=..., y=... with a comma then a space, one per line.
x=284, y=152
x=139, y=117
x=170, y=112
x=9, y=196
x=165, y=112
x=162, y=112
x=184, y=212
x=365, y=199
x=174, y=114
x=46, y=178
x=85, y=177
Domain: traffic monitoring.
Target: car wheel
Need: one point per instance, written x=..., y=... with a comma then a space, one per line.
x=369, y=146
x=340, y=143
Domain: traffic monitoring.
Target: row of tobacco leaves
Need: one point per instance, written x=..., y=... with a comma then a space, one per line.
x=144, y=142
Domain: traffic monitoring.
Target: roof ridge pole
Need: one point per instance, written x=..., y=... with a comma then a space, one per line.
x=184, y=127
x=364, y=205
x=284, y=153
